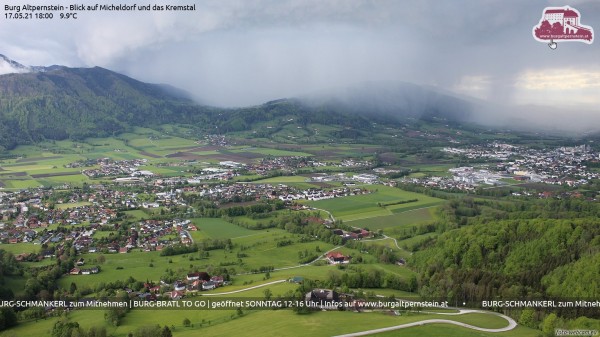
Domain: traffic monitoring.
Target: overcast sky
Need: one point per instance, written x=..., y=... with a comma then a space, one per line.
x=243, y=52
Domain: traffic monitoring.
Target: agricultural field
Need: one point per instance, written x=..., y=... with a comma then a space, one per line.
x=296, y=181
x=18, y=248
x=103, y=234
x=269, y=152
x=217, y=228
x=371, y=205
x=139, y=214
x=43, y=164
x=72, y=205
x=408, y=217
x=439, y=170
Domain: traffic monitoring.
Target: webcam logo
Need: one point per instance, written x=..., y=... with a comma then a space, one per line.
x=562, y=24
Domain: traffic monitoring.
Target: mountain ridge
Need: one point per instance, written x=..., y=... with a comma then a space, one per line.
x=59, y=102
x=82, y=102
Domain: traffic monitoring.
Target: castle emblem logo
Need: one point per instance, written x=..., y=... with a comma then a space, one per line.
x=562, y=24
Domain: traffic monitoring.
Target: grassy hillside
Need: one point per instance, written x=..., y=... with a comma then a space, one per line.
x=77, y=103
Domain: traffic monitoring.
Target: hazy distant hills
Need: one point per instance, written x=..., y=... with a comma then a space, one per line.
x=58, y=102
x=393, y=99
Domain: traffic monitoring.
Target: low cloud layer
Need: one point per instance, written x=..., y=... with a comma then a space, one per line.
x=244, y=52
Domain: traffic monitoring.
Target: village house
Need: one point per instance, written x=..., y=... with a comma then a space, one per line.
x=337, y=258
x=322, y=299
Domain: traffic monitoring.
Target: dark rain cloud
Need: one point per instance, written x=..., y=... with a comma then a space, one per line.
x=242, y=52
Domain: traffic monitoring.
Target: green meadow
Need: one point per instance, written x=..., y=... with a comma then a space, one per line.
x=217, y=228
x=410, y=217
x=21, y=247
x=259, y=249
x=72, y=205
x=365, y=206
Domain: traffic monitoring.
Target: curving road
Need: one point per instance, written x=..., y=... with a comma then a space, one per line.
x=296, y=266
x=245, y=289
x=511, y=324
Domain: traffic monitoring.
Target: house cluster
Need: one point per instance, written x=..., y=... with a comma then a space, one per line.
x=355, y=163
x=248, y=191
x=27, y=213
x=337, y=258
x=474, y=177
x=355, y=234
x=213, y=173
x=153, y=233
x=285, y=164
x=16, y=235
x=242, y=191
x=560, y=166
x=83, y=271
x=111, y=168
x=216, y=140
x=498, y=151
x=320, y=194
x=148, y=235
x=32, y=221
x=197, y=281
x=363, y=178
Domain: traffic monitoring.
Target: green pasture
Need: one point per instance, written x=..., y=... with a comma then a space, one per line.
x=385, y=242
x=135, y=264
x=255, y=237
x=20, y=184
x=400, y=271
x=314, y=272
x=295, y=181
x=103, y=234
x=38, y=264
x=269, y=254
x=440, y=170
x=249, y=221
x=272, y=152
x=367, y=205
x=159, y=142
x=21, y=247
x=414, y=206
x=139, y=214
x=73, y=205
x=410, y=217
x=217, y=228
x=259, y=249
x=282, y=180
